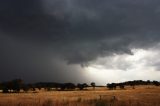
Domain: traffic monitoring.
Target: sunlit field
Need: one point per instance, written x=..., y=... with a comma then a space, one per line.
x=101, y=96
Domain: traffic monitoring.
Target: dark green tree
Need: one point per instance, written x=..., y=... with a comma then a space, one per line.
x=93, y=84
x=16, y=85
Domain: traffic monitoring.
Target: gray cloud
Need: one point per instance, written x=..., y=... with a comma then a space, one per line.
x=76, y=32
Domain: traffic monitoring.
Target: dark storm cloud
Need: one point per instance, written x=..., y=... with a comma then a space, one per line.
x=35, y=32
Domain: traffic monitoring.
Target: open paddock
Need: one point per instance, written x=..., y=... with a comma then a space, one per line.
x=101, y=96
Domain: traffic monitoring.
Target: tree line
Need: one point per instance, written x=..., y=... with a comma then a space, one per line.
x=113, y=86
x=16, y=85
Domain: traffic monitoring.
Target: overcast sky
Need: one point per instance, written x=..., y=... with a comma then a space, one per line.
x=80, y=40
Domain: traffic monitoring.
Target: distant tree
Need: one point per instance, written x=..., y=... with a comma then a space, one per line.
x=121, y=86
x=5, y=90
x=56, y=86
x=16, y=85
x=111, y=86
x=25, y=88
x=39, y=85
x=31, y=87
x=62, y=87
x=70, y=86
x=132, y=85
x=4, y=87
x=12, y=86
x=82, y=86
x=148, y=82
x=93, y=84
x=85, y=85
x=156, y=83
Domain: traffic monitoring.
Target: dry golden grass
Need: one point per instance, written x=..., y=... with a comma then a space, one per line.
x=141, y=96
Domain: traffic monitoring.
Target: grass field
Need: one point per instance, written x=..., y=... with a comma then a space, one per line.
x=140, y=96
